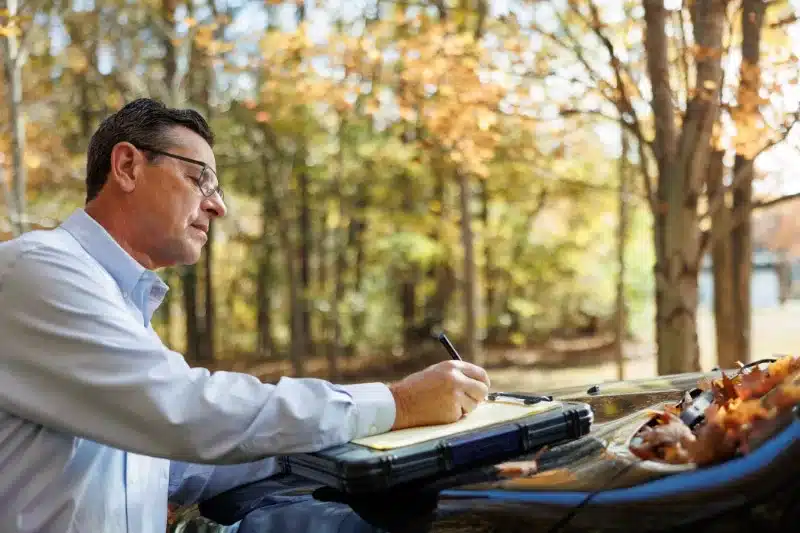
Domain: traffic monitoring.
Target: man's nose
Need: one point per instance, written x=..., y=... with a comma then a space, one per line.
x=214, y=205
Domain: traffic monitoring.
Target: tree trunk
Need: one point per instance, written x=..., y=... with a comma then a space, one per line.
x=324, y=344
x=682, y=170
x=189, y=285
x=742, y=259
x=13, y=59
x=488, y=269
x=200, y=93
x=194, y=351
x=741, y=237
x=209, y=346
x=408, y=272
x=721, y=257
x=339, y=269
x=170, y=54
x=274, y=204
x=442, y=273
x=472, y=343
x=79, y=35
x=266, y=342
x=8, y=200
x=358, y=226
x=622, y=236
x=305, y=257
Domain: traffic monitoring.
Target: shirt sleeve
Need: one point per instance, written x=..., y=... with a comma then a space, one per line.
x=75, y=359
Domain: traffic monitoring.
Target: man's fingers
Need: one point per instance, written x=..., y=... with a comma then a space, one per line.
x=474, y=371
x=475, y=390
x=468, y=404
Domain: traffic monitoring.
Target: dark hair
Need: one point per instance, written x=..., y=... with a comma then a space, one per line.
x=143, y=122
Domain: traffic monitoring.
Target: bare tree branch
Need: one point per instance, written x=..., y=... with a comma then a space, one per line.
x=685, y=43
x=577, y=51
x=710, y=237
x=441, y=8
x=624, y=105
x=597, y=113
x=665, y=142
x=766, y=204
x=739, y=176
x=23, y=44
x=786, y=21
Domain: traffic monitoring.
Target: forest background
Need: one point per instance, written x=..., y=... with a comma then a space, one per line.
x=543, y=181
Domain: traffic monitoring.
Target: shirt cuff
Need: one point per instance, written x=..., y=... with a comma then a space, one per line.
x=375, y=408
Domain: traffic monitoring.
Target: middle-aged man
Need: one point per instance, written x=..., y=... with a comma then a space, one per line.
x=94, y=407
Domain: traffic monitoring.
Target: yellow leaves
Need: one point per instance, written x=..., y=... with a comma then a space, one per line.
x=703, y=53
x=372, y=106
x=113, y=100
x=446, y=91
x=373, y=55
x=10, y=31
x=408, y=114
x=33, y=160
x=76, y=59
x=10, y=23
x=485, y=119
x=749, y=73
x=204, y=39
x=434, y=78
x=709, y=85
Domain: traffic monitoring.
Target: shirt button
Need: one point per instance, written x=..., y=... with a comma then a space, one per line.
x=373, y=429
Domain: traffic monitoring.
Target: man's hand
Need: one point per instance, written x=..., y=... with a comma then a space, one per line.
x=440, y=394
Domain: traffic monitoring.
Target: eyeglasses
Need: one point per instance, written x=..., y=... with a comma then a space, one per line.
x=205, y=181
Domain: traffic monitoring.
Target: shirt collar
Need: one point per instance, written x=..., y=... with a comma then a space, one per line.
x=134, y=280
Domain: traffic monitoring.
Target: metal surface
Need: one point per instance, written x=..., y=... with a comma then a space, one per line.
x=494, y=499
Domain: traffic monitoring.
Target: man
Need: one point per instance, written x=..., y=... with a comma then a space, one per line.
x=93, y=407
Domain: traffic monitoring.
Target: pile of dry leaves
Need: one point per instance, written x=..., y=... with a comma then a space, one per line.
x=742, y=411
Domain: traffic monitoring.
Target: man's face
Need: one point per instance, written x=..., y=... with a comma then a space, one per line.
x=173, y=212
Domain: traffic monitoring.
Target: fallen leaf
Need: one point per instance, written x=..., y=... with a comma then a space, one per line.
x=748, y=408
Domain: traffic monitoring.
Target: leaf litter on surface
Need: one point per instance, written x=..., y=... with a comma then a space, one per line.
x=747, y=408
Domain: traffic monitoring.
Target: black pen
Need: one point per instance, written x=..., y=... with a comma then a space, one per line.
x=449, y=347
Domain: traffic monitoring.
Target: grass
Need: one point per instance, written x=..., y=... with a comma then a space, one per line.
x=773, y=331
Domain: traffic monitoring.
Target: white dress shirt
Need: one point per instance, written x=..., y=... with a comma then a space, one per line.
x=93, y=406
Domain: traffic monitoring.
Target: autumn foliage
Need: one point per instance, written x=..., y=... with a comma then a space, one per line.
x=745, y=410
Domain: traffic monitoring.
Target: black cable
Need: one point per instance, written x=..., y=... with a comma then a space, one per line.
x=563, y=522
x=760, y=361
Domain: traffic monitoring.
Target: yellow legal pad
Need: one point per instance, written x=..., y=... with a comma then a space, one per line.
x=488, y=413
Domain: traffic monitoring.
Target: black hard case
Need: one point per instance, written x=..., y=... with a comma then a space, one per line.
x=352, y=468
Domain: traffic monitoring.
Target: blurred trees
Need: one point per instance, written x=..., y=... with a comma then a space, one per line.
x=667, y=69
x=394, y=168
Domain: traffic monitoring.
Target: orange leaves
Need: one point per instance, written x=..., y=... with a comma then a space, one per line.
x=445, y=74
x=669, y=440
x=746, y=410
x=427, y=76
x=702, y=53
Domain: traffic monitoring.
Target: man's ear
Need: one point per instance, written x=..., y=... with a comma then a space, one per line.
x=126, y=161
